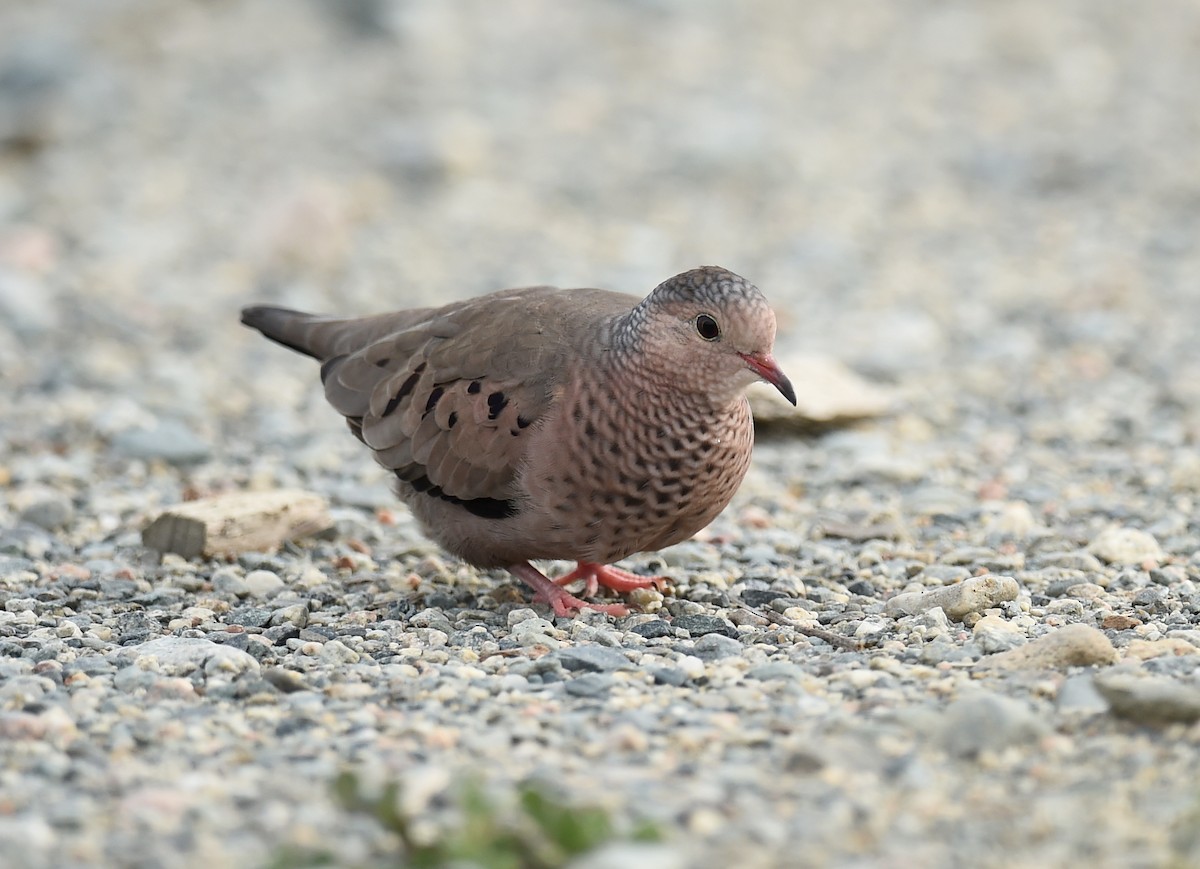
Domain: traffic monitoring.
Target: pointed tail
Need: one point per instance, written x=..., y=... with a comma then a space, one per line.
x=295, y=330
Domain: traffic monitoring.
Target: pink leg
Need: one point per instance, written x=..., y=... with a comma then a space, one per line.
x=596, y=575
x=562, y=602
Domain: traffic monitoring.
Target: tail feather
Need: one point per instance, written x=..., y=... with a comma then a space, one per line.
x=292, y=329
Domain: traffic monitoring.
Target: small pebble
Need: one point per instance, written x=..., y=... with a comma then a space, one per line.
x=1150, y=699
x=1125, y=546
x=263, y=584
x=1070, y=646
x=969, y=596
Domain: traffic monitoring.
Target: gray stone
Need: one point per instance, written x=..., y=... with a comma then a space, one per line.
x=986, y=722
x=589, y=685
x=1149, y=699
x=1125, y=546
x=249, y=616
x=228, y=581
x=596, y=659
x=286, y=681
x=699, y=625
x=1078, y=694
x=712, y=647
x=776, y=670
x=294, y=614
x=970, y=596
x=51, y=511
x=669, y=676
x=263, y=584
x=995, y=634
x=337, y=652
x=169, y=441
x=178, y=656
x=653, y=629
x=1076, y=560
x=758, y=597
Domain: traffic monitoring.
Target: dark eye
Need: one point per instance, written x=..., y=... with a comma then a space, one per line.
x=707, y=328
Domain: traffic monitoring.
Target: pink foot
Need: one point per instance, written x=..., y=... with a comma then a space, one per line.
x=596, y=575
x=561, y=601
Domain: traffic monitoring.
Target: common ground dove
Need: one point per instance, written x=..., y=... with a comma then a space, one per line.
x=541, y=423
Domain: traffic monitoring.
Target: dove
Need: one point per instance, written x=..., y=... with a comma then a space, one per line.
x=546, y=424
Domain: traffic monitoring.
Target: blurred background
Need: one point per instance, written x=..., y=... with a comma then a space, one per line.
x=902, y=179
x=991, y=208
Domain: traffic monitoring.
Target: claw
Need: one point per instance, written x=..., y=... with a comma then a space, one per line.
x=594, y=575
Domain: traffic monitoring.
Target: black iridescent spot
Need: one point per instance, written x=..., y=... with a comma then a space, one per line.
x=431, y=402
x=453, y=420
x=496, y=404
x=485, y=508
x=488, y=508
x=405, y=388
x=474, y=388
x=384, y=362
x=522, y=422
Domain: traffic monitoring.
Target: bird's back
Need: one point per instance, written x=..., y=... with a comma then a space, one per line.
x=448, y=398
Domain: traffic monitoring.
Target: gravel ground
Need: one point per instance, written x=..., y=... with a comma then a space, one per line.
x=992, y=209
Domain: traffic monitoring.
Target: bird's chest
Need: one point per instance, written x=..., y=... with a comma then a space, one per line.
x=636, y=471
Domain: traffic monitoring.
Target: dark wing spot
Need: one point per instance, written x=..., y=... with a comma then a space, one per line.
x=485, y=508
x=453, y=420
x=355, y=423
x=488, y=508
x=496, y=403
x=384, y=362
x=407, y=472
x=405, y=388
x=431, y=402
x=522, y=422
x=474, y=388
